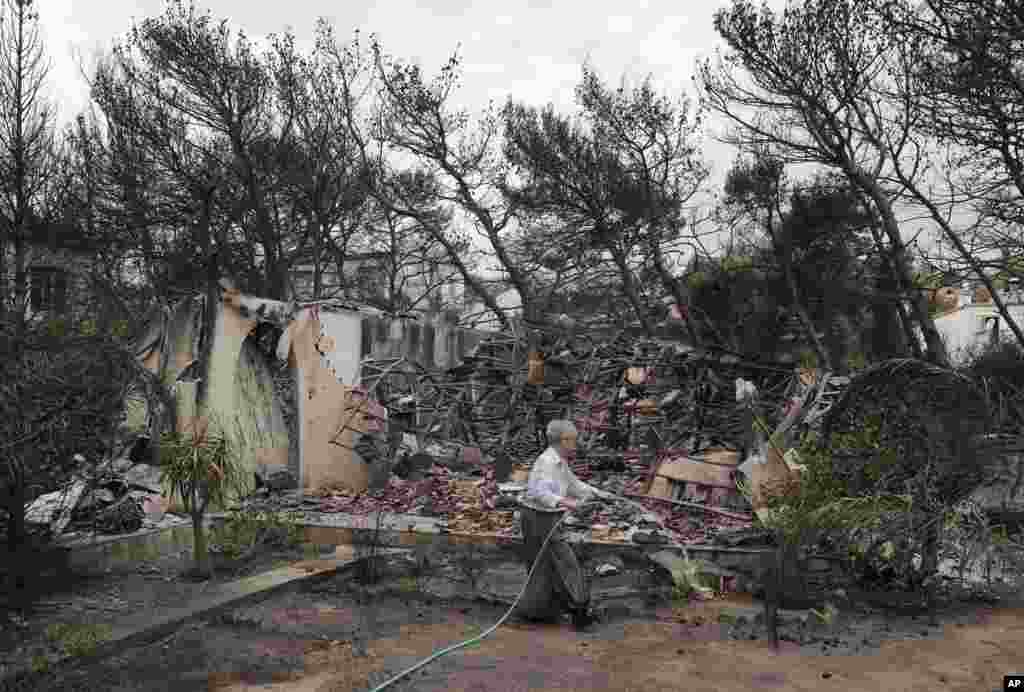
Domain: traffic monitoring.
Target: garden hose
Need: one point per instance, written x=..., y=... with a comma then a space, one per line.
x=438, y=654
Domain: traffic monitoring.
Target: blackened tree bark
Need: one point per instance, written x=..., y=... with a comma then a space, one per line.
x=813, y=73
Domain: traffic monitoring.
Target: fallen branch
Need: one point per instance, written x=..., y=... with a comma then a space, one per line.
x=694, y=505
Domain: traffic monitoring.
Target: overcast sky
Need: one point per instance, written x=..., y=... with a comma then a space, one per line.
x=533, y=50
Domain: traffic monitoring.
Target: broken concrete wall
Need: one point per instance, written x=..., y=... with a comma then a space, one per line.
x=241, y=400
x=166, y=348
x=184, y=337
x=148, y=347
x=261, y=411
x=171, y=341
x=283, y=381
x=185, y=394
x=327, y=426
x=136, y=421
x=339, y=337
x=324, y=348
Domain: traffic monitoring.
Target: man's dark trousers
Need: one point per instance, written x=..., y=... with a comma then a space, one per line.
x=558, y=584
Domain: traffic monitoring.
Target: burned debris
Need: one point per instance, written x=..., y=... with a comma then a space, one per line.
x=374, y=424
x=657, y=420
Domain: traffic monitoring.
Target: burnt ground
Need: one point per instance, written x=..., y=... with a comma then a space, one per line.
x=71, y=599
x=308, y=641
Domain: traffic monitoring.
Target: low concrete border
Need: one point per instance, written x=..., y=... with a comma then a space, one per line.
x=739, y=569
x=106, y=554
x=103, y=554
x=143, y=629
x=410, y=531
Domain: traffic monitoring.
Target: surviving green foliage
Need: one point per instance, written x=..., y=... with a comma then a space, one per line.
x=856, y=361
x=687, y=581
x=242, y=532
x=737, y=263
x=696, y=279
x=203, y=470
x=807, y=359
x=77, y=640
x=824, y=503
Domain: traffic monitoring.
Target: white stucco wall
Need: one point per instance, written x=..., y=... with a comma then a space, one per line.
x=344, y=329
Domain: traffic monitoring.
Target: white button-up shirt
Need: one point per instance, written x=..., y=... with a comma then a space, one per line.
x=550, y=480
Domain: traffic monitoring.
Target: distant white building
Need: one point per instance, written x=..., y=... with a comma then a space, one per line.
x=975, y=323
x=370, y=278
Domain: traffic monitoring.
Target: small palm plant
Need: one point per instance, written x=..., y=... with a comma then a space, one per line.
x=201, y=468
x=686, y=580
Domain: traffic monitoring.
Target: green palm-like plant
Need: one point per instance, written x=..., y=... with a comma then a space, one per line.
x=201, y=468
x=686, y=581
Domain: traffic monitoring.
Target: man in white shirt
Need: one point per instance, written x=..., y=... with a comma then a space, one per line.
x=558, y=584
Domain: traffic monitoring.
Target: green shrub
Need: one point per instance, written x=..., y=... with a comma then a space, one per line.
x=59, y=396
x=829, y=476
x=856, y=361
x=827, y=615
x=202, y=469
x=243, y=531
x=696, y=280
x=120, y=329
x=77, y=640
x=807, y=359
x=737, y=263
x=928, y=280
x=408, y=585
x=687, y=580
x=57, y=327
x=831, y=505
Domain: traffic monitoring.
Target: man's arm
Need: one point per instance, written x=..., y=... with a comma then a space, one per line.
x=581, y=490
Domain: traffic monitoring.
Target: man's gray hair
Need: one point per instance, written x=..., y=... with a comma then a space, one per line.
x=557, y=428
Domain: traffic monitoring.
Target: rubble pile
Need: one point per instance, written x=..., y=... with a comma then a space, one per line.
x=468, y=435
x=470, y=504
x=617, y=392
x=111, y=498
x=430, y=496
x=690, y=528
x=481, y=505
x=647, y=521
x=624, y=395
